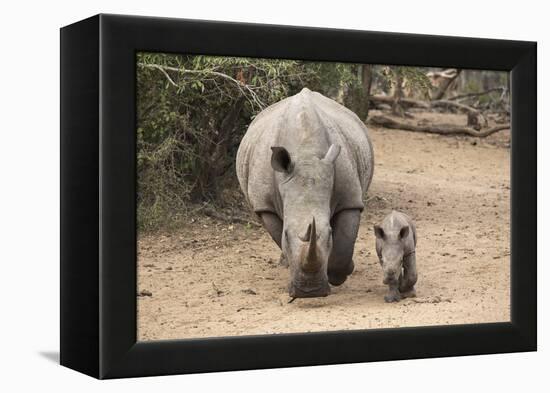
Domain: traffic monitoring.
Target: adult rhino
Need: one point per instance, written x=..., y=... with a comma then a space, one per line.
x=304, y=165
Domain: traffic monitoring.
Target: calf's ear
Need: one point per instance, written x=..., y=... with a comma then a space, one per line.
x=404, y=232
x=378, y=232
x=280, y=159
x=332, y=153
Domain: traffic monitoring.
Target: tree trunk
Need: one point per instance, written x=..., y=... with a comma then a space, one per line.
x=366, y=82
x=396, y=107
x=444, y=86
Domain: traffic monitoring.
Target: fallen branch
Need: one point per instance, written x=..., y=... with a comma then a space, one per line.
x=444, y=129
x=455, y=105
x=405, y=102
x=475, y=117
x=481, y=93
x=409, y=103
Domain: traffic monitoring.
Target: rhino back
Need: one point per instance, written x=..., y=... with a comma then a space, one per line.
x=354, y=136
x=328, y=123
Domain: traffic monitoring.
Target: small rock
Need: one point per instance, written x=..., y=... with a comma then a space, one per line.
x=217, y=290
x=249, y=291
x=145, y=292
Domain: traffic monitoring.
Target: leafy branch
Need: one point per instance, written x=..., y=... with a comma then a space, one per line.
x=243, y=88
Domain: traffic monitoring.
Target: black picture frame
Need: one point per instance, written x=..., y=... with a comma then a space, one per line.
x=98, y=191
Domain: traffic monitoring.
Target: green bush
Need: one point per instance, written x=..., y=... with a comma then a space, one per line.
x=192, y=114
x=193, y=111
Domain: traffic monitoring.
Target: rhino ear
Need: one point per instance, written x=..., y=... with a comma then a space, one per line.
x=404, y=232
x=378, y=232
x=280, y=159
x=332, y=153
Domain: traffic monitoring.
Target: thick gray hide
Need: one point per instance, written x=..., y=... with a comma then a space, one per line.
x=331, y=167
x=327, y=122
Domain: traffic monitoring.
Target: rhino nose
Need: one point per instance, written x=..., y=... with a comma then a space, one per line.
x=391, y=272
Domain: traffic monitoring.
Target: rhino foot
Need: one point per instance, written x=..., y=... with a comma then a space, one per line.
x=337, y=277
x=392, y=297
x=410, y=293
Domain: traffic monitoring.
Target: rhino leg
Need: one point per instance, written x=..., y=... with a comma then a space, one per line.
x=408, y=280
x=274, y=226
x=345, y=225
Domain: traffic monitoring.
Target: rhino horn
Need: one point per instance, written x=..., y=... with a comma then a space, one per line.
x=310, y=263
x=332, y=153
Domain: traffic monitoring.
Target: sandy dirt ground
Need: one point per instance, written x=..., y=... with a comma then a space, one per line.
x=212, y=278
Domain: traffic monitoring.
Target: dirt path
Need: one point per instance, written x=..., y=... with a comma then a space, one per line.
x=215, y=279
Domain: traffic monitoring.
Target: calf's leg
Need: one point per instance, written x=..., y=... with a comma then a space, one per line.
x=393, y=294
x=408, y=280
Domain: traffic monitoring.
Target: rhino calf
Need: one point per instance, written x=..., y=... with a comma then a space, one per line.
x=395, y=246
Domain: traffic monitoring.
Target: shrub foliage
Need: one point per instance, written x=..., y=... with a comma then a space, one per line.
x=193, y=111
